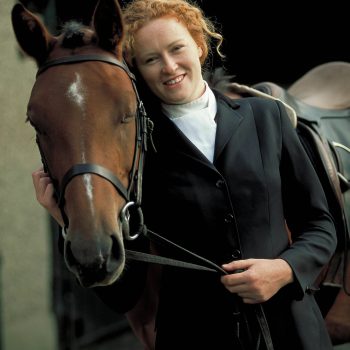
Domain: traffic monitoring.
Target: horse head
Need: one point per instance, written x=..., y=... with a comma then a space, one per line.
x=83, y=107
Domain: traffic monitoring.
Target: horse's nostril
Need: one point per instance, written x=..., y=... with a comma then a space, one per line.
x=88, y=274
x=77, y=256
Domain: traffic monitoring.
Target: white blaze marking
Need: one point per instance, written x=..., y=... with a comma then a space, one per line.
x=76, y=92
x=88, y=185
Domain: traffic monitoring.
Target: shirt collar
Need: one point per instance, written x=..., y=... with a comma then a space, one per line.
x=206, y=102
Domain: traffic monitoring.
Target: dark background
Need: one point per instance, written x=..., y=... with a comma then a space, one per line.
x=263, y=41
x=280, y=42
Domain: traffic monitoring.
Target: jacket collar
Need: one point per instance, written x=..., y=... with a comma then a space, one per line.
x=167, y=133
x=228, y=120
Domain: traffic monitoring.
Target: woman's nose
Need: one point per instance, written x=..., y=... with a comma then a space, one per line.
x=169, y=65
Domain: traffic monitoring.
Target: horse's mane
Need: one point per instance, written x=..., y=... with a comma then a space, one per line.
x=218, y=79
x=74, y=34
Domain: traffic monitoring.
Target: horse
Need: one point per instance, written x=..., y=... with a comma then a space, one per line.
x=90, y=130
x=318, y=105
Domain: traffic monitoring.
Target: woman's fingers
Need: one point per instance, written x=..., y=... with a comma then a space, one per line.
x=44, y=191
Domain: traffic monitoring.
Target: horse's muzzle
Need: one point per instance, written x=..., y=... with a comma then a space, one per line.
x=95, y=267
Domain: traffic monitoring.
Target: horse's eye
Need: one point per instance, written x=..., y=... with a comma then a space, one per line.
x=128, y=118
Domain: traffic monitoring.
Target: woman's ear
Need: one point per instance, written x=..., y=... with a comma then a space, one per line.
x=200, y=52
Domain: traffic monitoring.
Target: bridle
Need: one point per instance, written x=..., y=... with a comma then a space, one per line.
x=144, y=127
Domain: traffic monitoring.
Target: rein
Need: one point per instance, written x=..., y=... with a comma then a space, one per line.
x=144, y=128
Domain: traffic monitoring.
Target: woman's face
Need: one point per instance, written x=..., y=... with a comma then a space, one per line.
x=168, y=59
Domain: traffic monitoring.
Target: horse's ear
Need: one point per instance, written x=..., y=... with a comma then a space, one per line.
x=31, y=34
x=108, y=23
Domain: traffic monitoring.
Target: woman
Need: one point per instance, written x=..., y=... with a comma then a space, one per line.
x=226, y=177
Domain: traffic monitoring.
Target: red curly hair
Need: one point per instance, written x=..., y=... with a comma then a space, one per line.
x=140, y=12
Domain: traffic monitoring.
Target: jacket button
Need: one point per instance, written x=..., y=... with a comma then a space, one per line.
x=236, y=254
x=220, y=183
x=229, y=218
x=312, y=290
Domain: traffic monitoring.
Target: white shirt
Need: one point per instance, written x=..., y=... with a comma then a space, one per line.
x=196, y=120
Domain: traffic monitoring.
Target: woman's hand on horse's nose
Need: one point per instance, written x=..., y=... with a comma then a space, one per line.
x=44, y=191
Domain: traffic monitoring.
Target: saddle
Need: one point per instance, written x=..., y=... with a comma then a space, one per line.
x=326, y=86
x=320, y=101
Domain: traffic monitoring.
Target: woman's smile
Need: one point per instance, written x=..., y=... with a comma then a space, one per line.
x=175, y=81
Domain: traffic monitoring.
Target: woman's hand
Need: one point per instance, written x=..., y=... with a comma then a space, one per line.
x=44, y=191
x=256, y=280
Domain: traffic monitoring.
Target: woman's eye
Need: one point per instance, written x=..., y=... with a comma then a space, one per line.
x=178, y=47
x=150, y=60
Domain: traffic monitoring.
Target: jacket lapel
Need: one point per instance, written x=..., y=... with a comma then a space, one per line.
x=228, y=120
x=170, y=134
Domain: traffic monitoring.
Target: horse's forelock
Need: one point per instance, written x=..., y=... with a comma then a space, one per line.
x=75, y=34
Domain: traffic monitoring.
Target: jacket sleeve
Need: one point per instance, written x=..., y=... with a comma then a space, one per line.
x=306, y=211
